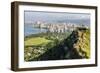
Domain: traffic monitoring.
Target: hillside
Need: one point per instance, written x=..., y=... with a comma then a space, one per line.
x=79, y=43
x=75, y=46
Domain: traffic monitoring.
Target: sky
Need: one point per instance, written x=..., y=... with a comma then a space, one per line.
x=52, y=17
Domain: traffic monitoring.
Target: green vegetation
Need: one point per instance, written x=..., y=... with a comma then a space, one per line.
x=36, y=45
x=36, y=41
x=56, y=46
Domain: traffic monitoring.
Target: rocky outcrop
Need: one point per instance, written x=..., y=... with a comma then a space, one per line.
x=79, y=43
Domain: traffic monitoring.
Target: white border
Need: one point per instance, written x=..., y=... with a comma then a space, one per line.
x=23, y=64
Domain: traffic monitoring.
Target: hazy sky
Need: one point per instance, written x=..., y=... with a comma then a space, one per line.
x=33, y=16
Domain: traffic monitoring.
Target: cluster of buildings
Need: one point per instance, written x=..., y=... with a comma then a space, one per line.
x=57, y=27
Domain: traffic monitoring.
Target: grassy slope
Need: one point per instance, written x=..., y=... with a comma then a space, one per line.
x=35, y=41
x=36, y=45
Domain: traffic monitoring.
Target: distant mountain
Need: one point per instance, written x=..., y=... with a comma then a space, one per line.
x=85, y=21
x=57, y=17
